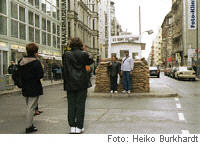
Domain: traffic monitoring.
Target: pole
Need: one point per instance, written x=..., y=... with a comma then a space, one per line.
x=109, y=30
x=197, y=37
x=139, y=21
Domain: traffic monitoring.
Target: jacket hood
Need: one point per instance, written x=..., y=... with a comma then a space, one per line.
x=26, y=60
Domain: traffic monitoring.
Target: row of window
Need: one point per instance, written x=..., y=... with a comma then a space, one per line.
x=48, y=8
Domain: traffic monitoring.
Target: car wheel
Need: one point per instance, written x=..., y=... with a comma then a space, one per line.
x=158, y=76
x=193, y=79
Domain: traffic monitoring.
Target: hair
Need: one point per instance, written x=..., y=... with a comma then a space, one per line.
x=114, y=56
x=76, y=43
x=31, y=49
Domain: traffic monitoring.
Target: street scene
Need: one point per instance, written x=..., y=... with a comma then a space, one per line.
x=96, y=67
x=106, y=115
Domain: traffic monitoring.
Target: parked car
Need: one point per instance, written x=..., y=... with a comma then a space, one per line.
x=166, y=71
x=154, y=71
x=172, y=72
x=185, y=73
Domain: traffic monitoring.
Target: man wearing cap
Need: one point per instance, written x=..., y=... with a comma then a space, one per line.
x=126, y=72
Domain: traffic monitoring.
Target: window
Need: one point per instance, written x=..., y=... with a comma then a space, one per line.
x=58, y=14
x=54, y=12
x=57, y=3
x=48, y=26
x=3, y=6
x=44, y=38
x=37, y=21
x=93, y=42
x=49, y=39
x=69, y=30
x=22, y=31
x=30, y=17
x=14, y=28
x=43, y=5
x=54, y=3
x=5, y=62
x=37, y=4
x=54, y=41
x=3, y=25
x=30, y=2
x=58, y=42
x=43, y=24
x=54, y=28
x=93, y=24
x=37, y=36
x=22, y=14
x=14, y=10
x=31, y=34
x=69, y=5
x=58, y=30
x=48, y=8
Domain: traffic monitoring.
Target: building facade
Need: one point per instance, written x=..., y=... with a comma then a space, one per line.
x=25, y=21
x=181, y=33
x=83, y=21
x=157, y=49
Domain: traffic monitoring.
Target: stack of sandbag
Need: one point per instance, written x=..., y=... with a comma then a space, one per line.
x=102, y=83
x=139, y=81
x=140, y=77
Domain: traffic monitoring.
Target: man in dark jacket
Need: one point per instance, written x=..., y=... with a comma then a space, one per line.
x=12, y=67
x=31, y=73
x=113, y=70
x=76, y=83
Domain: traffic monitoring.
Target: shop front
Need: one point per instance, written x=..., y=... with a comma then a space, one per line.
x=17, y=52
x=3, y=58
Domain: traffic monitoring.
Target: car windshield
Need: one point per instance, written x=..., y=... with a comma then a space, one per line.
x=153, y=68
x=183, y=69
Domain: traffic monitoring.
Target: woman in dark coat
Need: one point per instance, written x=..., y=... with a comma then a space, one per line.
x=31, y=73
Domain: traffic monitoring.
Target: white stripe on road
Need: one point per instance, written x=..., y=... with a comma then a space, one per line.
x=178, y=106
x=181, y=117
x=185, y=131
x=176, y=99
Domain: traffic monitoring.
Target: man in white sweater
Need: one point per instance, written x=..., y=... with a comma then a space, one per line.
x=126, y=72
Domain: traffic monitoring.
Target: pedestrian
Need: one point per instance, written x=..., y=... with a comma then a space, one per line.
x=126, y=72
x=31, y=73
x=194, y=68
x=113, y=70
x=76, y=83
x=12, y=67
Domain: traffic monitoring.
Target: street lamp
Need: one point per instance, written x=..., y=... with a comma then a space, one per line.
x=149, y=33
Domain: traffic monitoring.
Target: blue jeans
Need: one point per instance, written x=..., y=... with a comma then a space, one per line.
x=126, y=80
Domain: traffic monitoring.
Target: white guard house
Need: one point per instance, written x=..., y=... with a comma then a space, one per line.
x=126, y=41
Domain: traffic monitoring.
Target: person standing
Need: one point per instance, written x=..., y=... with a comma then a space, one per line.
x=126, y=72
x=12, y=67
x=31, y=73
x=76, y=83
x=113, y=70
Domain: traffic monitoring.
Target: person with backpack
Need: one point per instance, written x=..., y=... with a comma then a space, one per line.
x=126, y=72
x=31, y=72
x=76, y=83
x=113, y=71
x=12, y=67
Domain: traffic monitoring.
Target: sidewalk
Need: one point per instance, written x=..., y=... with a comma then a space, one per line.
x=17, y=90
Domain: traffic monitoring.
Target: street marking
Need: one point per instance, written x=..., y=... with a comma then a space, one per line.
x=185, y=131
x=181, y=116
x=178, y=106
x=176, y=99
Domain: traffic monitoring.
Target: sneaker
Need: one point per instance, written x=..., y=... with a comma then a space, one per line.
x=72, y=130
x=31, y=129
x=116, y=92
x=79, y=131
x=124, y=91
x=111, y=91
x=128, y=91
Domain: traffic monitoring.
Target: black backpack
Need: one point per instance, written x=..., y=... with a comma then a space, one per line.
x=16, y=76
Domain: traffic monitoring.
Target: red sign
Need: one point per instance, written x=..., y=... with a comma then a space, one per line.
x=169, y=59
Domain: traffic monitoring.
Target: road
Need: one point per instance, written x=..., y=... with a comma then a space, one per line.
x=111, y=115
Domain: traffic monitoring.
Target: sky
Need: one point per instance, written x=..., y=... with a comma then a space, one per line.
x=153, y=13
